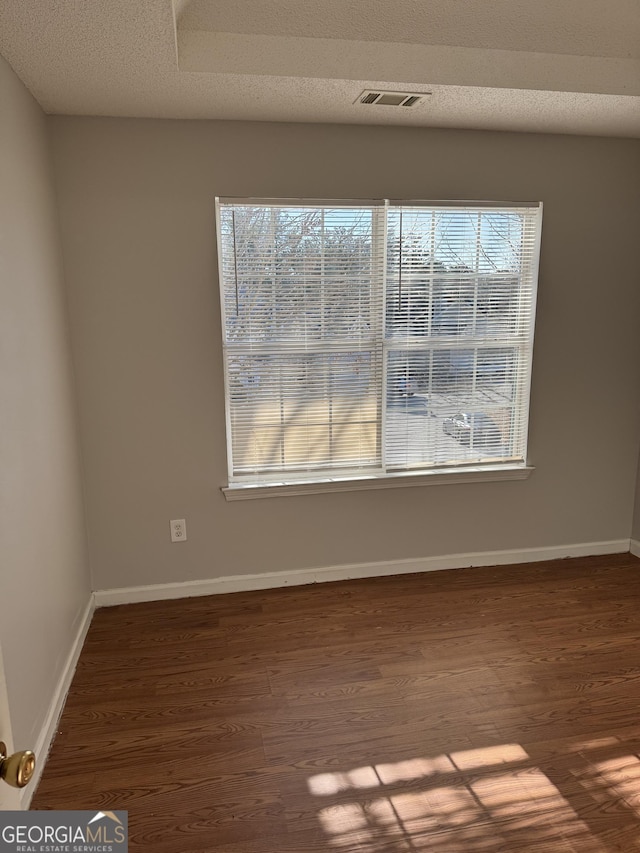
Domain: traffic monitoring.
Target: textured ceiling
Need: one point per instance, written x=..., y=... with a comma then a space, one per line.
x=564, y=66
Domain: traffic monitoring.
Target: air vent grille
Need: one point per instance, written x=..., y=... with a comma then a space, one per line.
x=390, y=99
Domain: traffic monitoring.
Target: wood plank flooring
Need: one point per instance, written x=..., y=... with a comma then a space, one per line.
x=492, y=710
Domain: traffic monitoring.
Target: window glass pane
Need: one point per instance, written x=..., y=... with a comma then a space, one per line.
x=304, y=412
x=296, y=273
x=449, y=406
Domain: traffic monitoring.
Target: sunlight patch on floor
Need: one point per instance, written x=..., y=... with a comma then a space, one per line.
x=491, y=800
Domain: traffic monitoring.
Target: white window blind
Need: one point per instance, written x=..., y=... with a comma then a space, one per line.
x=377, y=337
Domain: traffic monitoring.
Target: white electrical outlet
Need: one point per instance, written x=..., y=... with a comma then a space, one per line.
x=178, y=530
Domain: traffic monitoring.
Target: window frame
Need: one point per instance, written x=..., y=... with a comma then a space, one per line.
x=283, y=482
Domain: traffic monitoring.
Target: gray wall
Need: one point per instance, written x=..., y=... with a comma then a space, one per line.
x=137, y=218
x=44, y=578
x=635, y=530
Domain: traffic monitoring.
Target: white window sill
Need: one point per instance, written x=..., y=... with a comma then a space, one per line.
x=243, y=492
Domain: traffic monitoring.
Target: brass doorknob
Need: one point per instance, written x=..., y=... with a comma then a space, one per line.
x=16, y=769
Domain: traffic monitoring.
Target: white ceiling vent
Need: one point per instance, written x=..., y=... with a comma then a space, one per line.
x=390, y=99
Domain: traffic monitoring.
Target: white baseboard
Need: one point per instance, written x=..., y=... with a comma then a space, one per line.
x=49, y=728
x=270, y=580
x=634, y=547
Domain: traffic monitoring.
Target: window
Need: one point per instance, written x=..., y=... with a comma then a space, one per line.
x=376, y=339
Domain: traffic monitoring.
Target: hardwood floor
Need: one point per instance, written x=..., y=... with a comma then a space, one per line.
x=493, y=710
